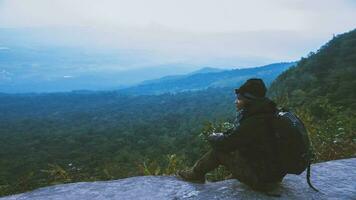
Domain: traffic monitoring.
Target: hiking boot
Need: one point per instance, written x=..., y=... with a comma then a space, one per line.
x=189, y=175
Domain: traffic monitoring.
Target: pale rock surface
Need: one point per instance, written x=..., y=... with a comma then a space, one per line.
x=335, y=179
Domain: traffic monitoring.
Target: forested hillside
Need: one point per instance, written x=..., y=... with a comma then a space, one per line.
x=322, y=89
x=84, y=136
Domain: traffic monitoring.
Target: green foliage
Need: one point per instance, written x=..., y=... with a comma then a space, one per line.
x=150, y=169
x=218, y=174
x=58, y=138
x=175, y=163
x=332, y=137
x=57, y=174
x=172, y=165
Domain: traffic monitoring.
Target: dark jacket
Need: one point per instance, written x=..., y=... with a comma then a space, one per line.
x=252, y=137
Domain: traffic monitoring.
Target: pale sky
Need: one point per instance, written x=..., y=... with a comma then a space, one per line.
x=201, y=32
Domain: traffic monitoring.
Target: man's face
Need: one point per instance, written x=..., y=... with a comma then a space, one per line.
x=239, y=104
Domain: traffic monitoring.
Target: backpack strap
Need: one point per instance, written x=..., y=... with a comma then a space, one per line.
x=273, y=137
x=308, y=178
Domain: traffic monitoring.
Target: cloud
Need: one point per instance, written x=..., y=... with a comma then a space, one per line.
x=184, y=15
x=201, y=31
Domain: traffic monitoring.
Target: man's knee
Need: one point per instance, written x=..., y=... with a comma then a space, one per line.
x=208, y=162
x=239, y=167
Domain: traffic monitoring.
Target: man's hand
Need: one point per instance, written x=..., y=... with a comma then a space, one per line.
x=214, y=137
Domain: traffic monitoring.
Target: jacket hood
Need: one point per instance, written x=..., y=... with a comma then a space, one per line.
x=261, y=106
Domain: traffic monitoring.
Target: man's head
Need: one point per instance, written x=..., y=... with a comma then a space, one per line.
x=253, y=89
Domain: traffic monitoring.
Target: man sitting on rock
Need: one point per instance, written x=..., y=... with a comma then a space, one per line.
x=247, y=150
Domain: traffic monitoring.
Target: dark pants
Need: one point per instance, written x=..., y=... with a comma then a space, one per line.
x=235, y=163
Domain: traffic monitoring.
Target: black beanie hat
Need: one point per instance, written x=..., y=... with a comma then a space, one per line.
x=253, y=88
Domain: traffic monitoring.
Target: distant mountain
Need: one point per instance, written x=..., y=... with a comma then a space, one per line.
x=49, y=69
x=37, y=60
x=207, y=70
x=178, y=77
x=207, y=78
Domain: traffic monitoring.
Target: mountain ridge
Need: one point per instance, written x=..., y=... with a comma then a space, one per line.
x=207, y=77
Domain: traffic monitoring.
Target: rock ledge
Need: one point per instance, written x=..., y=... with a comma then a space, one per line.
x=335, y=179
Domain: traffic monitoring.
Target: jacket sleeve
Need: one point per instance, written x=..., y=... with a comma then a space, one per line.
x=231, y=140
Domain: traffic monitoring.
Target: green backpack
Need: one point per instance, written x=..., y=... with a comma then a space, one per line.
x=292, y=143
